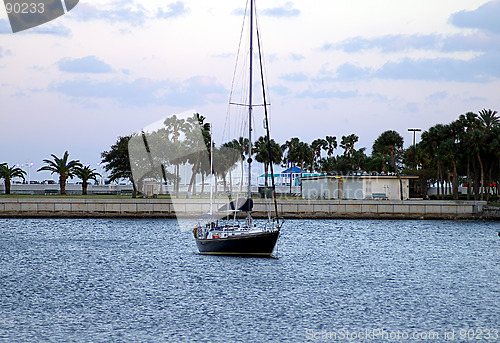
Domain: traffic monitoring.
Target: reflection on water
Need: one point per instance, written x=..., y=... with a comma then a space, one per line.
x=142, y=280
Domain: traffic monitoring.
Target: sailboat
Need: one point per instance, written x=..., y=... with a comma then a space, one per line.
x=231, y=235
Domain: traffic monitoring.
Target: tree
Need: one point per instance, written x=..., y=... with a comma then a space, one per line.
x=8, y=173
x=300, y=153
x=391, y=143
x=240, y=145
x=85, y=173
x=347, y=144
x=468, y=122
x=327, y=165
x=63, y=167
x=431, y=142
x=378, y=162
x=225, y=161
x=198, y=138
x=174, y=128
x=494, y=148
x=261, y=149
x=481, y=138
x=117, y=162
x=489, y=119
x=359, y=160
x=316, y=146
x=289, y=146
x=450, y=149
x=331, y=144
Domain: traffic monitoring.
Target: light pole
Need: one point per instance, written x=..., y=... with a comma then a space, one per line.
x=28, y=166
x=414, y=147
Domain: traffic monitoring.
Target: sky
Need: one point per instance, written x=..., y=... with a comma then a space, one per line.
x=334, y=67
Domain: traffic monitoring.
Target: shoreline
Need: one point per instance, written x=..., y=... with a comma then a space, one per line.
x=62, y=207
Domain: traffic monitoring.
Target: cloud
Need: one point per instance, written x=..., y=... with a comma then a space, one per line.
x=280, y=90
x=480, y=69
x=51, y=29
x=238, y=11
x=484, y=18
x=88, y=64
x=436, y=97
x=128, y=12
x=297, y=57
x=388, y=43
x=350, y=72
x=412, y=107
x=286, y=10
x=345, y=72
x=484, y=67
x=5, y=26
x=478, y=41
x=174, y=10
x=198, y=90
x=120, y=11
x=5, y=52
x=325, y=94
x=47, y=29
x=295, y=77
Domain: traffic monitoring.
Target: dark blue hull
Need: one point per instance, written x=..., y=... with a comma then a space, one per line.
x=260, y=244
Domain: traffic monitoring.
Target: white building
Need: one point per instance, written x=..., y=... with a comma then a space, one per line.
x=356, y=187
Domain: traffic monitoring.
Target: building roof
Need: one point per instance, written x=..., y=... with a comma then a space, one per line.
x=363, y=176
x=294, y=169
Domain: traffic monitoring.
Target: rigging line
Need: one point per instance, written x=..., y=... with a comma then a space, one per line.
x=227, y=123
x=267, y=126
x=263, y=60
x=249, y=218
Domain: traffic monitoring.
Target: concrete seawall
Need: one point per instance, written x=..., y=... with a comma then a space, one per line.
x=47, y=206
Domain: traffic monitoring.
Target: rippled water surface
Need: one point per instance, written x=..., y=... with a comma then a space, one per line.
x=100, y=280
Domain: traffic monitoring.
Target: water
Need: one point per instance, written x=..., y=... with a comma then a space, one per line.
x=100, y=280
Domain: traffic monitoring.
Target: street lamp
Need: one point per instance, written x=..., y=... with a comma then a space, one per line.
x=414, y=148
x=28, y=166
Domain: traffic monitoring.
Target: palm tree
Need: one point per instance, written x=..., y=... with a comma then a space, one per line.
x=198, y=138
x=289, y=146
x=7, y=174
x=431, y=142
x=225, y=159
x=85, y=174
x=328, y=164
x=489, y=118
x=391, y=143
x=229, y=161
x=174, y=128
x=331, y=144
x=468, y=122
x=451, y=149
x=347, y=144
x=241, y=145
x=482, y=137
x=261, y=148
x=317, y=145
x=301, y=154
x=63, y=167
x=494, y=148
x=359, y=160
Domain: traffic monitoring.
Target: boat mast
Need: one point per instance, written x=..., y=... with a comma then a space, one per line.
x=211, y=170
x=250, y=105
x=266, y=124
